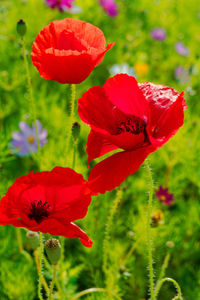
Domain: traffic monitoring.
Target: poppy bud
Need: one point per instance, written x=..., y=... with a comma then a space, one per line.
x=21, y=28
x=76, y=128
x=53, y=250
x=33, y=239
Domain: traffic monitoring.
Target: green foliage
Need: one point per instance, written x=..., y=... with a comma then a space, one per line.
x=177, y=164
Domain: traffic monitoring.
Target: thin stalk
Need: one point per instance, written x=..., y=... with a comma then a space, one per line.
x=149, y=238
x=71, y=116
x=19, y=239
x=40, y=266
x=107, y=230
x=175, y=283
x=52, y=283
x=35, y=253
x=74, y=155
x=93, y=290
x=125, y=258
x=30, y=90
x=163, y=269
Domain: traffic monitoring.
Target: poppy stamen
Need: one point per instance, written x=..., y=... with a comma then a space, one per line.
x=39, y=211
x=133, y=125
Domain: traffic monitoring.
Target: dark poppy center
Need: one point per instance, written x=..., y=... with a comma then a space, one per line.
x=133, y=125
x=39, y=210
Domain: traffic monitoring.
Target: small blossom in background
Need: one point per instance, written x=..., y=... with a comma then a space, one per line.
x=157, y=218
x=25, y=142
x=181, y=49
x=74, y=9
x=158, y=34
x=110, y=7
x=60, y=4
x=181, y=74
x=164, y=196
x=123, y=69
x=141, y=69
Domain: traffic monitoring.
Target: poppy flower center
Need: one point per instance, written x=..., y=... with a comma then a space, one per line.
x=39, y=210
x=133, y=125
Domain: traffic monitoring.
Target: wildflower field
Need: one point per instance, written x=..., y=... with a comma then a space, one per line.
x=99, y=149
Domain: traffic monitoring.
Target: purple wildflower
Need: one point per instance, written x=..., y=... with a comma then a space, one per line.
x=25, y=142
x=60, y=4
x=158, y=34
x=181, y=74
x=181, y=49
x=110, y=7
x=164, y=196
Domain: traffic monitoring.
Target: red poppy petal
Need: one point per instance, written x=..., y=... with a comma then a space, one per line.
x=123, y=91
x=63, y=66
x=95, y=110
x=69, y=230
x=168, y=123
x=112, y=171
x=160, y=99
x=97, y=146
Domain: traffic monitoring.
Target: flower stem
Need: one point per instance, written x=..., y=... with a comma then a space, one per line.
x=107, y=230
x=30, y=90
x=71, y=116
x=35, y=253
x=19, y=240
x=74, y=155
x=40, y=267
x=93, y=290
x=175, y=283
x=52, y=283
x=163, y=269
x=149, y=239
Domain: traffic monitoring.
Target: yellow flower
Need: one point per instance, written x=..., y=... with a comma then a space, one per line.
x=141, y=69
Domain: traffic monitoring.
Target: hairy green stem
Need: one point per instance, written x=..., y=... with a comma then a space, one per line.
x=107, y=230
x=52, y=283
x=19, y=239
x=30, y=90
x=149, y=238
x=93, y=290
x=71, y=117
x=74, y=155
x=175, y=283
x=40, y=266
x=163, y=269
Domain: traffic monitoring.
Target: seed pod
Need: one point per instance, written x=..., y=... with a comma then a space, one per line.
x=53, y=250
x=33, y=239
x=21, y=28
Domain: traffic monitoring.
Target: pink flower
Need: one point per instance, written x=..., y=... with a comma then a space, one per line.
x=164, y=196
x=60, y=4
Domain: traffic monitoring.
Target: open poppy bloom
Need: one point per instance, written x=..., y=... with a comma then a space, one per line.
x=48, y=202
x=68, y=50
x=136, y=118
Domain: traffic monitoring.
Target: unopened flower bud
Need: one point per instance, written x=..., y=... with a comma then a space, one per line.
x=33, y=239
x=21, y=28
x=76, y=128
x=53, y=250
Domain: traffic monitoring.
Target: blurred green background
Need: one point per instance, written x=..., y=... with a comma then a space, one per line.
x=177, y=164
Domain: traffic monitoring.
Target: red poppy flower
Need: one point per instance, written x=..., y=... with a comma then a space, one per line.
x=68, y=50
x=48, y=202
x=136, y=118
